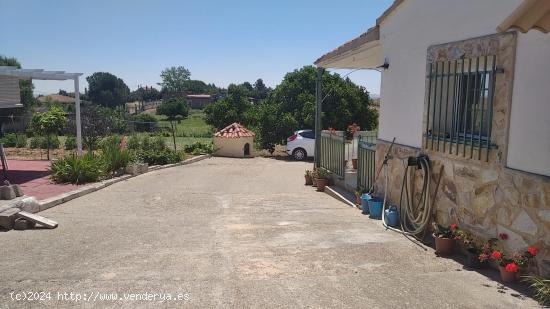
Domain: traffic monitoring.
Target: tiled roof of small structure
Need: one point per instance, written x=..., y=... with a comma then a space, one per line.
x=234, y=130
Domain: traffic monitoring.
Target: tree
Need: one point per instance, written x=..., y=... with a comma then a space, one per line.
x=48, y=123
x=260, y=90
x=230, y=109
x=63, y=92
x=174, y=79
x=291, y=106
x=107, y=90
x=174, y=109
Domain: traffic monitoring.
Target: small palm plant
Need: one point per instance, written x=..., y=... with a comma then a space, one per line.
x=541, y=288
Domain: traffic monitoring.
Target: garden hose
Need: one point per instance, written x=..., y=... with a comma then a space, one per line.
x=414, y=217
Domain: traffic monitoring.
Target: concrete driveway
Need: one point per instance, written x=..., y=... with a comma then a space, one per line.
x=237, y=233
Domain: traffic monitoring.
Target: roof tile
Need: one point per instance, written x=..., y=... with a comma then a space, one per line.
x=234, y=130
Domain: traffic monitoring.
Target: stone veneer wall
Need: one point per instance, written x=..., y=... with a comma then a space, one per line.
x=485, y=198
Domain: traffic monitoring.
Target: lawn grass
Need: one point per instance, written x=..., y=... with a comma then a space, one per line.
x=193, y=126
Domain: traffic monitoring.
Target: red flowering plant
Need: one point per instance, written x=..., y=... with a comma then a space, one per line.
x=515, y=261
x=452, y=231
x=477, y=247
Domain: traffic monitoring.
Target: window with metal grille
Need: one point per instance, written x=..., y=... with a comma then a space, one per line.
x=460, y=106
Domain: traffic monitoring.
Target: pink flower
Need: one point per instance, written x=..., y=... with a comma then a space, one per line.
x=454, y=227
x=503, y=236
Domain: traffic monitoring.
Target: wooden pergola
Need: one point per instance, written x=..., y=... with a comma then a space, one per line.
x=14, y=72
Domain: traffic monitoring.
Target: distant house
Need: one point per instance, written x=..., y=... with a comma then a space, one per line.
x=199, y=101
x=63, y=99
x=195, y=101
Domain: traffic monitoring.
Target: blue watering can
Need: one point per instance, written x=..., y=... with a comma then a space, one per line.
x=391, y=217
x=375, y=208
x=365, y=198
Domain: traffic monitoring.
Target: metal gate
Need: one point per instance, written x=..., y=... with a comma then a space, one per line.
x=333, y=152
x=366, y=162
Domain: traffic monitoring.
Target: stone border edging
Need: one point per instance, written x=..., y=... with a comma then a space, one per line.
x=87, y=189
x=340, y=197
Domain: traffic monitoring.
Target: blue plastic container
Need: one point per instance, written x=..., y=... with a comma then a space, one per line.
x=375, y=208
x=365, y=198
x=391, y=217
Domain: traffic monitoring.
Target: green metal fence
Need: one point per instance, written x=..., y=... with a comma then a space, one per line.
x=366, y=160
x=332, y=156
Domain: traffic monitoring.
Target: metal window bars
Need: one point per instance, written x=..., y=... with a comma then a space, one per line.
x=460, y=106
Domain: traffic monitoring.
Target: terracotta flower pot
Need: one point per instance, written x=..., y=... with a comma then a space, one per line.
x=444, y=246
x=309, y=181
x=354, y=163
x=321, y=184
x=507, y=276
x=314, y=182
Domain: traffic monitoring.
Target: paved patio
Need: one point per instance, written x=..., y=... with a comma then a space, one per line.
x=232, y=233
x=32, y=176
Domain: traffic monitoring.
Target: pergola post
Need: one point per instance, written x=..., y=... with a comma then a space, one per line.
x=318, y=110
x=78, y=121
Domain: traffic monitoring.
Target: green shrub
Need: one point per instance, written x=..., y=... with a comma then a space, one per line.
x=110, y=141
x=144, y=122
x=15, y=140
x=198, y=148
x=70, y=143
x=163, y=157
x=133, y=143
x=158, y=143
x=113, y=157
x=77, y=169
x=41, y=142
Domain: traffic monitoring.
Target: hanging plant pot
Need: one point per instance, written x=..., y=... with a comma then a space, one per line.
x=321, y=184
x=508, y=276
x=444, y=246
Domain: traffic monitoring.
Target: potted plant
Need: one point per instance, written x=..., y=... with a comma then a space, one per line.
x=354, y=163
x=445, y=238
x=321, y=179
x=358, y=192
x=314, y=177
x=309, y=180
x=477, y=255
x=510, y=266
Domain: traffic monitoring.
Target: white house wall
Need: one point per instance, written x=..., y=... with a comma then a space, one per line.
x=405, y=36
x=529, y=138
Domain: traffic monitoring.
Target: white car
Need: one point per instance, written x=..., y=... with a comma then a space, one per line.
x=301, y=144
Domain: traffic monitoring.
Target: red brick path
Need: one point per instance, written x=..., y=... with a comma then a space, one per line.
x=33, y=178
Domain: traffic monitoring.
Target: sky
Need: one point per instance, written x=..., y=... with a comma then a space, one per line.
x=220, y=42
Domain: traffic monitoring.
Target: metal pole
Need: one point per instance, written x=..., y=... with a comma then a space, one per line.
x=78, y=122
x=318, y=123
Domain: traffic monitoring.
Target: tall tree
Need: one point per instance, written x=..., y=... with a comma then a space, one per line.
x=107, y=90
x=174, y=109
x=174, y=79
x=260, y=90
x=231, y=108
